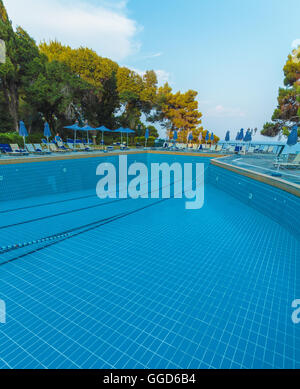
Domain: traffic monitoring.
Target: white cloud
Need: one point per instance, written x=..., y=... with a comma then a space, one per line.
x=154, y=55
x=221, y=111
x=102, y=25
x=162, y=76
x=295, y=43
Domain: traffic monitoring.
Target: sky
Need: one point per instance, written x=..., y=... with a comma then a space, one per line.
x=230, y=51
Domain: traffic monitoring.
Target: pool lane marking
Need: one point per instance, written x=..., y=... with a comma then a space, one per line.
x=58, y=235
x=110, y=219
x=81, y=209
x=60, y=214
x=45, y=204
x=100, y=224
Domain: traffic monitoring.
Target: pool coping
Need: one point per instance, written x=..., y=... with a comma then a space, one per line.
x=65, y=157
x=215, y=160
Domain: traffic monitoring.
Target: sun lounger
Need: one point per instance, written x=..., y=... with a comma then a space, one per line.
x=55, y=149
x=82, y=147
x=243, y=150
x=289, y=165
x=30, y=148
x=180, y=146
x=61, y=146
x=72, y=147
x=264, y=149
x=16, y=149
x=6, y=149
x=219, y=148
x=40, y=149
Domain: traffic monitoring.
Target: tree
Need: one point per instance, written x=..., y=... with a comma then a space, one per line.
x=287, y=113
x=178, y=111
x=54, y=92
x=22, y=60
x=60, y=84
x=102, y=100
x=6, y=123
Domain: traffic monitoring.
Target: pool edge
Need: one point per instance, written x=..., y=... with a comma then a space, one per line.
x=279, y=183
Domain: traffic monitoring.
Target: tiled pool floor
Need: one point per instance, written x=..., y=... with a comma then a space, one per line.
x=160, y=288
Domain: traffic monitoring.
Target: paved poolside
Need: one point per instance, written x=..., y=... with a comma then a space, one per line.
x=263, y=164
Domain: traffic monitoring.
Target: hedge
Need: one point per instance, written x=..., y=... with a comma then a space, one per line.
x=142, y=139
x=12, y=137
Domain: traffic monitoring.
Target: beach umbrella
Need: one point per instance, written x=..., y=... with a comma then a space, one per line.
x=74, y=128
x=47, y=132
x=241, y=137
x=248, y=136
x=207, y=137
x=237, y=136
x=293, y=137
x=23, y=131
x=212, y=137
x=128, y=131
x=175, y=135
x=87, y=128
x=121, y=130
x=200, y=137
x=147, y=134
x=190, y=137
x=227, y=137
x=103, y=129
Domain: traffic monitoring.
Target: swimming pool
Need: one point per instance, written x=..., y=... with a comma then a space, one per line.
x=146, y=283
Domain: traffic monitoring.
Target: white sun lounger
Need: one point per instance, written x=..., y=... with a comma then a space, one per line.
x=289, y=165
x=16, y=150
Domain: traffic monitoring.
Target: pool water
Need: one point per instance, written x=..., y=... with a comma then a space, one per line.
x=142, y=283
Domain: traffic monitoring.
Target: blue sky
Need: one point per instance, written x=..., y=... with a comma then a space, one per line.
x=230, y=51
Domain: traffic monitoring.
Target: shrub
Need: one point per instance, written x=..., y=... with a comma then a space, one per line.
x=13, y=137
x=141, y=140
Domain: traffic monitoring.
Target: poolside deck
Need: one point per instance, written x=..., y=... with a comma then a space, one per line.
x=263, y=164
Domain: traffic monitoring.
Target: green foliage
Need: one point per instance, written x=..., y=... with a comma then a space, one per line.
x=287, y=113
x=14, y=138
x=142, y=140
x=270, y=129
x=60, y=84
x=11, y=138
x=178, y=111
x=6, y=123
